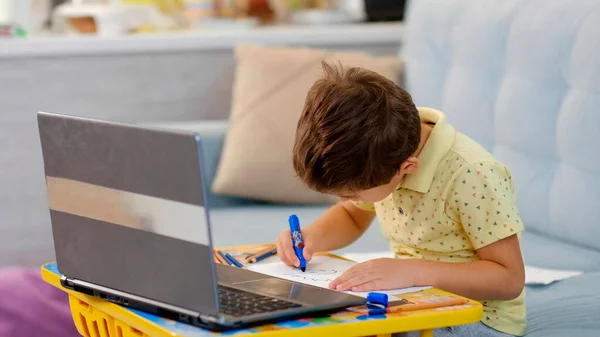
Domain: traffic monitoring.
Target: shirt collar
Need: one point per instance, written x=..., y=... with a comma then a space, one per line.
x=437, y=146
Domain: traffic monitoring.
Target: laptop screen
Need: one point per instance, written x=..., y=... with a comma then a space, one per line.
x=128, y=210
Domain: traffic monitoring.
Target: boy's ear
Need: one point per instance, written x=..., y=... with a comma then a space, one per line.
x=410, y=165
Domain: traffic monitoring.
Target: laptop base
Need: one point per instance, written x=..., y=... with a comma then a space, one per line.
x=215, y=324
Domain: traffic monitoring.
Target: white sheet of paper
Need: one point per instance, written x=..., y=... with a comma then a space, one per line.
x=320, y=271
x=544, y=276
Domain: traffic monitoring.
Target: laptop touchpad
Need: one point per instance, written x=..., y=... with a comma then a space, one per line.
x=279, y=288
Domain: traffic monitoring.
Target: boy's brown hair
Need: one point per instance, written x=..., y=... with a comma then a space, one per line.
x=356, y=129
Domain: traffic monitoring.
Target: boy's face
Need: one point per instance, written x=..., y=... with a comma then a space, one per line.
x=379, y=193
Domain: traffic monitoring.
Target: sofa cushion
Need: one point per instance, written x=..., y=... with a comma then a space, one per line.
x=565, y=309
x=547, y=252
x=256, y=224
x=31, y=307
x=522, y=78
x=270, y=88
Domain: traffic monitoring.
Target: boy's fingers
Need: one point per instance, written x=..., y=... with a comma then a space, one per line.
x=291, y=255
x=341, y=279
x=369, y=286
x=347, y=275
x=356, y=281
x=288, y=249
x=307, y=254
x=280, y=253
x=333, y=284
x=308, y=250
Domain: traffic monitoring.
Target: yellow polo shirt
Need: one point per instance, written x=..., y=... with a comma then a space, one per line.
x=461, y=199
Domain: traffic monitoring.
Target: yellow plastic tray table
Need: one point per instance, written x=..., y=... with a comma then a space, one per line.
x=94, y=317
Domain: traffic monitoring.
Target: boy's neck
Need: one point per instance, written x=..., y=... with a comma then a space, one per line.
x=426, y=129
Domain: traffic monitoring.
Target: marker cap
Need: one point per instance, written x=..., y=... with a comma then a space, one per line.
x=377, y=298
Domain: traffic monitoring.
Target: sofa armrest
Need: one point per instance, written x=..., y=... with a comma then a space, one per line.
x=212, y=134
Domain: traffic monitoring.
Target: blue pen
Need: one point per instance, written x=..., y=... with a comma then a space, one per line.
x=297, y=240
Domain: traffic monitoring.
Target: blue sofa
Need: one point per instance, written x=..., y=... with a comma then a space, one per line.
x=523, y=79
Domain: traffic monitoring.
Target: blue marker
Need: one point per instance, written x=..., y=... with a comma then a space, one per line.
x=297, y=240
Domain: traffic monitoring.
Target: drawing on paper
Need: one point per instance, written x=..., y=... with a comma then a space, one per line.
x=322, y=270
x=313, y=275
x=315, y=272
x=308, y=278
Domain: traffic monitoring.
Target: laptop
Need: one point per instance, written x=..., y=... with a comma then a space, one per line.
x=128, y=207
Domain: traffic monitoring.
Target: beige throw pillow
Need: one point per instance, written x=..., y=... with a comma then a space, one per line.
x=271, y=84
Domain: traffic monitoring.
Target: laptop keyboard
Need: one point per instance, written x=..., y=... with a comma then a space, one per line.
x=240, y=303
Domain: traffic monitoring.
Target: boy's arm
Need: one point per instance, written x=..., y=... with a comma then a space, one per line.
x=338, y=227
x=482, y=200
x=499, y=275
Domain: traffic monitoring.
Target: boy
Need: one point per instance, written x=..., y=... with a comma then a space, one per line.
x=446, y=205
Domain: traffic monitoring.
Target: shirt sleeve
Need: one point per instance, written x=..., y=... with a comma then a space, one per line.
x=365, y=206
x=482, y=198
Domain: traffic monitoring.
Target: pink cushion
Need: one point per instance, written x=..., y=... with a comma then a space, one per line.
x=30, y=307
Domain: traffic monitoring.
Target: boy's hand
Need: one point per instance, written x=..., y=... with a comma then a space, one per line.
x=378, y=274
x=285, y=248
